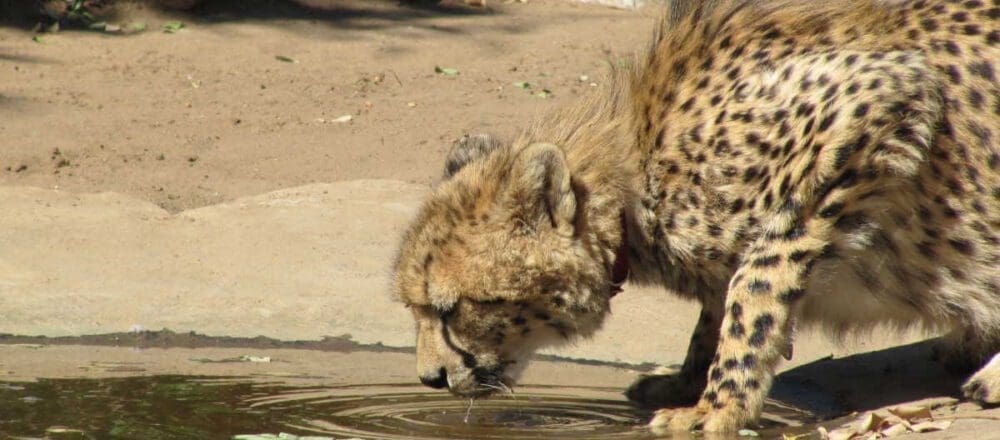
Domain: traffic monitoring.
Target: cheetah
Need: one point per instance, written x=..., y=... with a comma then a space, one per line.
x=782, y=162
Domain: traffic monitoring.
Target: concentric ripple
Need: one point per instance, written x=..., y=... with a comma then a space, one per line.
x=405, y=411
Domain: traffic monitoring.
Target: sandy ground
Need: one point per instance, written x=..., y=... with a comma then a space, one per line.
x=209, y=114
x=195, y=181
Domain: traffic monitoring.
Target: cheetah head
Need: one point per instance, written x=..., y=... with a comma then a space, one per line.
x=498, y=263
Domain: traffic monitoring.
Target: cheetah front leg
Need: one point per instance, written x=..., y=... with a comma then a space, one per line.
x=756, y=329
x=684, y=387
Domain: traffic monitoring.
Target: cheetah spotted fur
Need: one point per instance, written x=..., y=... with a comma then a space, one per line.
x=781, y=162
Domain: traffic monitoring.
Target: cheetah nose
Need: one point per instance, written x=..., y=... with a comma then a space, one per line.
x=441, y=381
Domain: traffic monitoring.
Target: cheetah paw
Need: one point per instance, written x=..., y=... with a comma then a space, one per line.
x=984, y=386
x=694, y=418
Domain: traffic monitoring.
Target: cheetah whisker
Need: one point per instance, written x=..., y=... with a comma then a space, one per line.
x=468, y=411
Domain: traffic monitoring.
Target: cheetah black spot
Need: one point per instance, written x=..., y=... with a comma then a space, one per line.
x=752, y=384
x=827, y=121
x=712, y=396
x=768, y=261
x=687, y=104
x=749, y=362
x=733, y=73
x=808, y=127
x=993, y=38
x=730, y=364
x=975, y=99
x=713, y=254
x=983, y=69
x=728, y=385
x=949, y=212
x=736, y=330
x=963, y=246
x=960, y=16
x=762, y=326
x=971, y=29
x=716, y=374
x=830, y=92
x=861, y=110
x=519, y=320
x=927, y=249
x=736, y=206
x=928, y=24
x=759, y=286
x=736, y=310
x=954, y=75
x=795, y=232
x=952, y=48
x=792, y=295
x=798, y=255
x=844, y=152
x=804, y=109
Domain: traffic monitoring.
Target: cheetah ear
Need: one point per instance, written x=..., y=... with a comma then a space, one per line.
x=540, y=192
x=467, y=150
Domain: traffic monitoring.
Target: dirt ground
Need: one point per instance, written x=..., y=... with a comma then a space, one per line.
x=203, y=138
x=209, y=113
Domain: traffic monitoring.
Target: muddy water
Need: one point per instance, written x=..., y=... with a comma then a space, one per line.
x=156, y=407
x=98, y=392
x=191, y=407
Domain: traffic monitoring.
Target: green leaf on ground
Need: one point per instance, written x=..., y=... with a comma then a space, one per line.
x=37, y=39
x=522, y=85
x=545, y=93
x=172, y=26
x=450, y=71
x=286, y=59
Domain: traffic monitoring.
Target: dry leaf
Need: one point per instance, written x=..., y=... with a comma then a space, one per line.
x=869, y=422
x=911, y=412
x=894, y=430
x=839, y=434
x=937, y=425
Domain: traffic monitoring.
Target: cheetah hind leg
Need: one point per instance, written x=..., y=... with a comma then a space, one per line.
x=667, y=387
x=984, y=386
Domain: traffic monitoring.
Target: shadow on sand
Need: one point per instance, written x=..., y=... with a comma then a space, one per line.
x=348, y=14
x=866, y=381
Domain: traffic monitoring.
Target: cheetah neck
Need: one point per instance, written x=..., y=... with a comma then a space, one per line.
x=597, y=133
